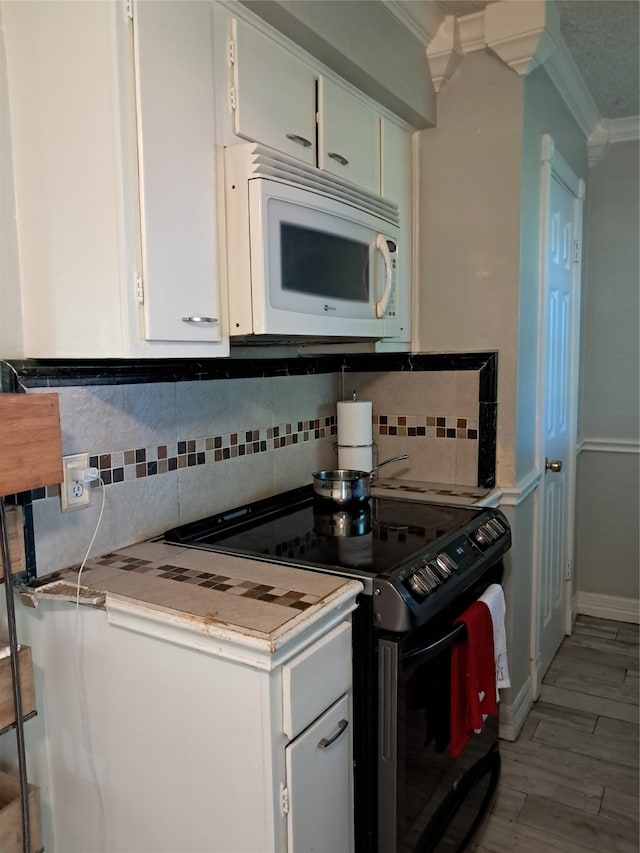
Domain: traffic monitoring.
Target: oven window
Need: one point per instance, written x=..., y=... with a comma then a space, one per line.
x=320, y=264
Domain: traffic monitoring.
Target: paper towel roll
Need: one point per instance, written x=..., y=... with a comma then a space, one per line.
x=354, y=423
x=355, y=458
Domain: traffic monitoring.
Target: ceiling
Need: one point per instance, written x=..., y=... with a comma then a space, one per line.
x=603, y=37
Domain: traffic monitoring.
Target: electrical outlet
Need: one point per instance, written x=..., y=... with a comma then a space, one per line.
x=74, y=493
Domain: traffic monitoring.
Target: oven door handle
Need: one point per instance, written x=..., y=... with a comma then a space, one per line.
x=454, y=636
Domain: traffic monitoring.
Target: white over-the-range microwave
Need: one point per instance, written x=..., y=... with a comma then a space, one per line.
x=308, y=255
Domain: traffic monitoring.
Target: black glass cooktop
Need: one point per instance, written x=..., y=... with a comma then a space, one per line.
x=372, y=538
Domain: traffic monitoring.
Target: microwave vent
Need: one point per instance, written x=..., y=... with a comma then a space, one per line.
x=265, y=163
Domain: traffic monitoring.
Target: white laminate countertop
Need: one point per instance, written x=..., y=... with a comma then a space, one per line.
x=257, y=605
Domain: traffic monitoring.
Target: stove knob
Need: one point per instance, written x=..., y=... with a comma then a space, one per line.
x=418, y=587
x=481, y=537
x=497, y=526
x=441, y=571
x=434, y=577
x=427, y=578
x=493, y=533
x=445, y=561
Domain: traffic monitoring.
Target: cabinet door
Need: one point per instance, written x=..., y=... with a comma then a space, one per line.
x=320, y=781
x=274, y=94
x=173, y=44
x=348, y=136
x=397, y=185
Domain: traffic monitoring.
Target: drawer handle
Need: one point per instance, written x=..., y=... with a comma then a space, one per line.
x=299, y=139
x=199, y=319
x=327, y=741
x=338, y=158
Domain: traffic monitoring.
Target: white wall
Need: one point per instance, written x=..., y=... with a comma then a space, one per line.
x=469, y=230
x=469, y=290
x=608, y=470
x=10, y=304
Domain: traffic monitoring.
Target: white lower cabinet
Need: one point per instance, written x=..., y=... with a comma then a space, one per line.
x=155, y=734
x=320, y=781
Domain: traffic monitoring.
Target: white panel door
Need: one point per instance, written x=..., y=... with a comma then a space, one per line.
x=558, y=435
x=173, y=45
x=274, y=95
x=320, y=781
x=348, y=136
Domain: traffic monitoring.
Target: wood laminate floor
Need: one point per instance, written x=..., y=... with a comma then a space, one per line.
x=569, y=784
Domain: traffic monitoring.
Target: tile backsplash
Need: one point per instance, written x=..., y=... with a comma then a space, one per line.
x=431, y=416
x=170, y=452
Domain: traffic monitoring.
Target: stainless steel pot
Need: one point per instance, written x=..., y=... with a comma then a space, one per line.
x=343, y=486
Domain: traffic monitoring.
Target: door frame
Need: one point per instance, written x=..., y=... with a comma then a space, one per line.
x=554, y=166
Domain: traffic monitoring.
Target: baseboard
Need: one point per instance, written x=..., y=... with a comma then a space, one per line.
x=609, y=607
x=512, y=717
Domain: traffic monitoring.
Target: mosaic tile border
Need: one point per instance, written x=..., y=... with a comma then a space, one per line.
x=124, y=465
x=118, y=466
x=293, y=599
x=429, y=426
x=455, y=492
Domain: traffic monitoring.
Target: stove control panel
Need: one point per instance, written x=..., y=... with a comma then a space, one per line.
x=448, y=566
x=432, y=571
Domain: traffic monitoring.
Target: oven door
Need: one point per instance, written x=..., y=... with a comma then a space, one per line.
x=426, y=800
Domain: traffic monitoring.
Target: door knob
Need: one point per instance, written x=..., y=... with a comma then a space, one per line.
x=554, y=466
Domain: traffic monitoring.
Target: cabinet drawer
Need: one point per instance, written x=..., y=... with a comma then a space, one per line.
x=316, y=678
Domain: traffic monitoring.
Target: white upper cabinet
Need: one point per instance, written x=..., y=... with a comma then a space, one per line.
x=272, y=95
x=114, y=168
x=173, y=48
x=291, y=105
x=348, y=136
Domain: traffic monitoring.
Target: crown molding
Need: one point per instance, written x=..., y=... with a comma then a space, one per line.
x=445, y=53
x=624, y=129
x=472, y=32
x=524, y=36
x=566, y=77
x=608, y=132
x=518, y=34
x=423, y=26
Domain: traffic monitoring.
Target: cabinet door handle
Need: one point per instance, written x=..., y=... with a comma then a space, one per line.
x=199, y=319
x=299, y=139
x=338, y=158
x=327, y=741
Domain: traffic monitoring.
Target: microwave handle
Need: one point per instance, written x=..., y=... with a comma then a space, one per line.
x=381, y=246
